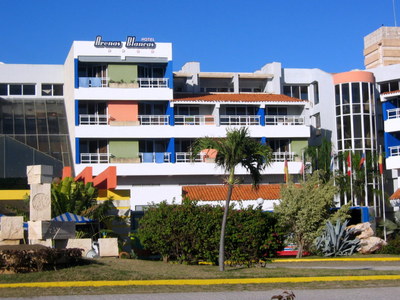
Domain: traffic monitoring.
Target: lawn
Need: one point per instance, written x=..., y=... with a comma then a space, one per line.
x=130, y=269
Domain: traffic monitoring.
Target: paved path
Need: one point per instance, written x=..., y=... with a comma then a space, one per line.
x=387, y=293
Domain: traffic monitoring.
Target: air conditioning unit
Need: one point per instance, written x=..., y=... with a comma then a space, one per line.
x=318, y=132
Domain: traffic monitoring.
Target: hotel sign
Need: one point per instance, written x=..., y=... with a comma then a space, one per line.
x=144, y=43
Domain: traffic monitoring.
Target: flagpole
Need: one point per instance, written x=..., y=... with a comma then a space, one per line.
x=366, y=180
x=303, y=166
x=383, y=193
x=350, y=166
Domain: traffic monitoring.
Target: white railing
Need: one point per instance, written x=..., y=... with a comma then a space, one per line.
x=153, y=82
x=93, y=81
x=282, y=156
x=394, y=151
x=239, y=120
x=93, y=119
x=154, y=120
x=185, y=157
x=194, y=120
x=94, y=158
x=155, y=157
x=284, y=120
x=393, y=113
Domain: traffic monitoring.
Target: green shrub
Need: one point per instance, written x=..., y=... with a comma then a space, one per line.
x=189, y=233
x=393, y=246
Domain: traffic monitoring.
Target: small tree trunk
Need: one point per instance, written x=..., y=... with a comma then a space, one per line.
x=221, y=258
x=300, y=250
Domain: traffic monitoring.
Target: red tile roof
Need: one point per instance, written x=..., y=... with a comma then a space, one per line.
x=396, y=195
x=391, y=92
x=240, y=192
x=228, y=97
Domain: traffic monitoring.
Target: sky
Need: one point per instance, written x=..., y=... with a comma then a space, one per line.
x=223, y=35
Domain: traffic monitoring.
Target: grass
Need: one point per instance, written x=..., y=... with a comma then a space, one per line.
x=124, y=269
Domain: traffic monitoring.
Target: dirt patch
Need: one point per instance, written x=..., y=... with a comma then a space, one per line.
x=22, y=247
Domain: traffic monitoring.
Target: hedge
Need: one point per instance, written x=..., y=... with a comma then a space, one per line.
x=190, y=233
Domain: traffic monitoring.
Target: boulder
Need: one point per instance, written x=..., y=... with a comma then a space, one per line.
x=362, y=230
x=371, y=244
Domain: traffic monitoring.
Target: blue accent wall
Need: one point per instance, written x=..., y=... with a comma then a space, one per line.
x=385, y=106
x=76, y=73
x=171, y=149
x=390, y=141
x=77, y=151
x=261, y=113
x=170, y=75
x=76, y=112
x=170, y=112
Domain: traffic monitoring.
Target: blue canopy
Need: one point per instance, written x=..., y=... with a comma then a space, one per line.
x=70, y=217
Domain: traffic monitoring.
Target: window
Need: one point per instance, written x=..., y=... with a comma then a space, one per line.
x=52, y=90
x=389, y=86
x=317, y=120
x=17, y=89
x=296, y=91
x=277, y=111
x=316, y=93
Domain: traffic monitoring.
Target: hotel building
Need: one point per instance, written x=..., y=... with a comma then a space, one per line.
x=126, y=108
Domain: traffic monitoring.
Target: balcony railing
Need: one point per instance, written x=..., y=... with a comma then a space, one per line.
x=94, y=158
x=282, y=156
x=155, y=157
x=93, y=82
x=154, y=120
x=194, y=120
x=93, y=119
x=239, y=120
x=153, y=82
x=185, y=157
x=393, y=113
x=284, y=120
x=394, y=151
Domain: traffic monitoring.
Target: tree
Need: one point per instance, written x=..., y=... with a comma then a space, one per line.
x=304, y=209
x=237, y=148
x=320, y=157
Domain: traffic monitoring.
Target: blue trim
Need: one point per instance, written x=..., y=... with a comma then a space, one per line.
x=390, y=140
x=77, y=150
x=261, y=113
x=171, y=149
x=76, y=73
x=263, y=140
x=76, y=112
x=170, y=112
x=169, y=74
x=385, y=106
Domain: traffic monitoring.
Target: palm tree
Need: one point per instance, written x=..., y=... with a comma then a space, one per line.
x=238, y=148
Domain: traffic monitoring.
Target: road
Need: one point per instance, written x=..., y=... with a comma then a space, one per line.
x=387, y=293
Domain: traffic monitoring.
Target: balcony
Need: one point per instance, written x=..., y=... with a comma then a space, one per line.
x=153, y=82
x=284, y=120
x=239, y=120
x=155, y=157
x=194, y=120
x=185, y=157
x=154, y=120
x=393, y=113
x=94, y=158
x=282, y=156
x=93, y=119
x=87, y=82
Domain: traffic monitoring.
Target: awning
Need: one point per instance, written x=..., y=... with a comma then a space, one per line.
x=70, y=217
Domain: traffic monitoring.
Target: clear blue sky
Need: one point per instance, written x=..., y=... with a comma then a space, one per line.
x=222, y=35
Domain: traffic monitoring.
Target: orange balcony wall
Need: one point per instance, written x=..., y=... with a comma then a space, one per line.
x=123, y=111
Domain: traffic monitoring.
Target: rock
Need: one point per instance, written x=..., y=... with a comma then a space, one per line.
x=371, y=244
x=362, y=230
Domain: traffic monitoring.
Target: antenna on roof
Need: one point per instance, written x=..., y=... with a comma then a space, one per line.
x=394, y=13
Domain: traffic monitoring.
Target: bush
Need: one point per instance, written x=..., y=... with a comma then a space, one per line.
x=189, y=233
x=39, y=259
x=393, y=246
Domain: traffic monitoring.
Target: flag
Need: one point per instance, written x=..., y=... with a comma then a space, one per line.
x=362, y=161
x=286, y=171
x=302, y=168
x=349, y=164
x=380, y=163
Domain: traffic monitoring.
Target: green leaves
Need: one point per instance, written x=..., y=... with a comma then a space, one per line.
x=189, y=233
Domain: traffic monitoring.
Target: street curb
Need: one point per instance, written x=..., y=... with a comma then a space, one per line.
x=175, y=282
x=278, y=260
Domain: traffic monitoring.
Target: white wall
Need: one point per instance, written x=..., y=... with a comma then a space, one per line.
x=144, y=195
